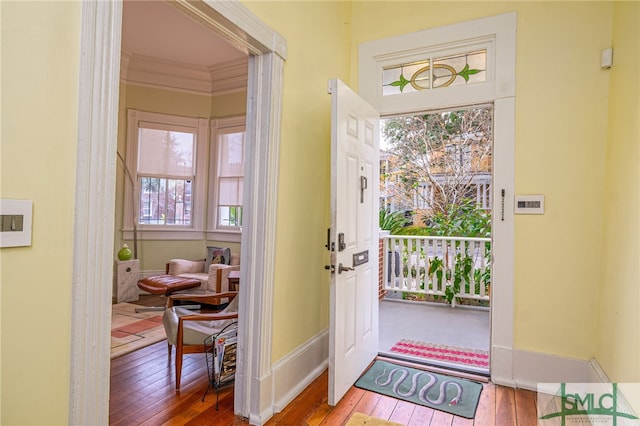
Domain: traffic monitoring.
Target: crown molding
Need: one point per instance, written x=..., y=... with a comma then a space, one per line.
x=230, y=76
x=159, y=73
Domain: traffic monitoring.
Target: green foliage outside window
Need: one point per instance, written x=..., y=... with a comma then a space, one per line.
x=462, y=220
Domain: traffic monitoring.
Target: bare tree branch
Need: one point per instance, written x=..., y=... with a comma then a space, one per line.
x=433, y=158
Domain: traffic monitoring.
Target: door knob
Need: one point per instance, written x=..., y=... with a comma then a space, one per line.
x=342, y=269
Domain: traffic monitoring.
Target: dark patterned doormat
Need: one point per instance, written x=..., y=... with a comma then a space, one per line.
x=440, y=392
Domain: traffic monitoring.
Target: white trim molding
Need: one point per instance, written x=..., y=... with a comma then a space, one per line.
x=292, y=374
x=92, y=289
x=531, y=368
x=528, y=369
x=502, y=269
x=288, y=377
x=258, y=234
x=497, y=34
x=237, y=24
x=136, y=120
x=267, y=53
x=228, y=77
x=101, y=28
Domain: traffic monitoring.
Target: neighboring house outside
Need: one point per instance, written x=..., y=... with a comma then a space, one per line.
x=419, y=199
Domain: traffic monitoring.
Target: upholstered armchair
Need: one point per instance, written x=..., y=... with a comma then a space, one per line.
x=186, y=330
x=213, y=272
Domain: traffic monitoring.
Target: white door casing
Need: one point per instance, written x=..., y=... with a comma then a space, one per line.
x=355, y=167
x=101, y=28
x=498, y=35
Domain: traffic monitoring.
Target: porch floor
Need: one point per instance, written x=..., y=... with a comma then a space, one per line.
x=462, y=326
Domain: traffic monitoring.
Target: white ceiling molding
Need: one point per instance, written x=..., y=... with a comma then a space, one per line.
x=230, y=76
x=165, y=74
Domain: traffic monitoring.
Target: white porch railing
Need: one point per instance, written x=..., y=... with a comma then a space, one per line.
x=449, y=267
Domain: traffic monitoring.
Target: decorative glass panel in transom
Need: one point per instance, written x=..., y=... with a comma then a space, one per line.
x=435, y=73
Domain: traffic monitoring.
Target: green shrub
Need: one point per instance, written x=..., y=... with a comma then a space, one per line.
x=391, y=221
x=465, y=219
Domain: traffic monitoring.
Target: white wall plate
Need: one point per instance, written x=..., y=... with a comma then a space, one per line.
x=529, y=204
x=15, y=222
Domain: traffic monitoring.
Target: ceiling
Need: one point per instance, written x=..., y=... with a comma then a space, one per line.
x=159, y=30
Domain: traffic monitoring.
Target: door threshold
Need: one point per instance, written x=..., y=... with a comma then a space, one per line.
x=477, y=374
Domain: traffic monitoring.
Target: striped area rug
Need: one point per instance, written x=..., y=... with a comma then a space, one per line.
x=443, y=353
x=131, y=330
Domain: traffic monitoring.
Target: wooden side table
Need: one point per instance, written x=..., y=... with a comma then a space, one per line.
x=234, y=280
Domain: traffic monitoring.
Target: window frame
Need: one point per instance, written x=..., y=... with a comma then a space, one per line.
x=218, y=128
x=195, y=230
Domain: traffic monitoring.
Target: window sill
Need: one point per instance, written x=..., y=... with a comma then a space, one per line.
x=163, y=234
x=226, y=236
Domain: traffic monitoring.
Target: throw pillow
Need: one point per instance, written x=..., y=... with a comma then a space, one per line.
x=217, y=255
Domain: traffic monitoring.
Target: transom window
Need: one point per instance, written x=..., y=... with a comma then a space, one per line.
x=451, y=70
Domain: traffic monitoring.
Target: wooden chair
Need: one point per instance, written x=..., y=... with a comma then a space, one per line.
x=187, y=330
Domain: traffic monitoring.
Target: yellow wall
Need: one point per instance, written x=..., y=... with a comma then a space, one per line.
x=229, y=105
x=561, y=109
x=40, y=58
x=561, y=136
x=560, y=146
x=317, y=36
x=561, y=127
x=153, y=255
x=618, y=332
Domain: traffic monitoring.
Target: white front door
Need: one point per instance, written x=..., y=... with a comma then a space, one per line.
x=353, y=325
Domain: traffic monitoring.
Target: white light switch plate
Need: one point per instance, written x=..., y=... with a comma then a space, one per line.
x=22, y=236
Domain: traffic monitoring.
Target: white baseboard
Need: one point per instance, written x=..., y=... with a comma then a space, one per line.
x=598, y=374
x=628, y=394
x=530, y=368
x=295, y=372
x=502, y=366
x=513, y=368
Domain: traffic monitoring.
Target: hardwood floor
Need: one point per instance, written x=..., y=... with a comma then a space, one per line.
x=143, y=393
x=498, y=405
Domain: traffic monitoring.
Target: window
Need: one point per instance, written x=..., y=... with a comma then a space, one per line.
x=165, y=175
x=451, y=70
x=230, y=171
x=227, y=178
x=166, y=157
